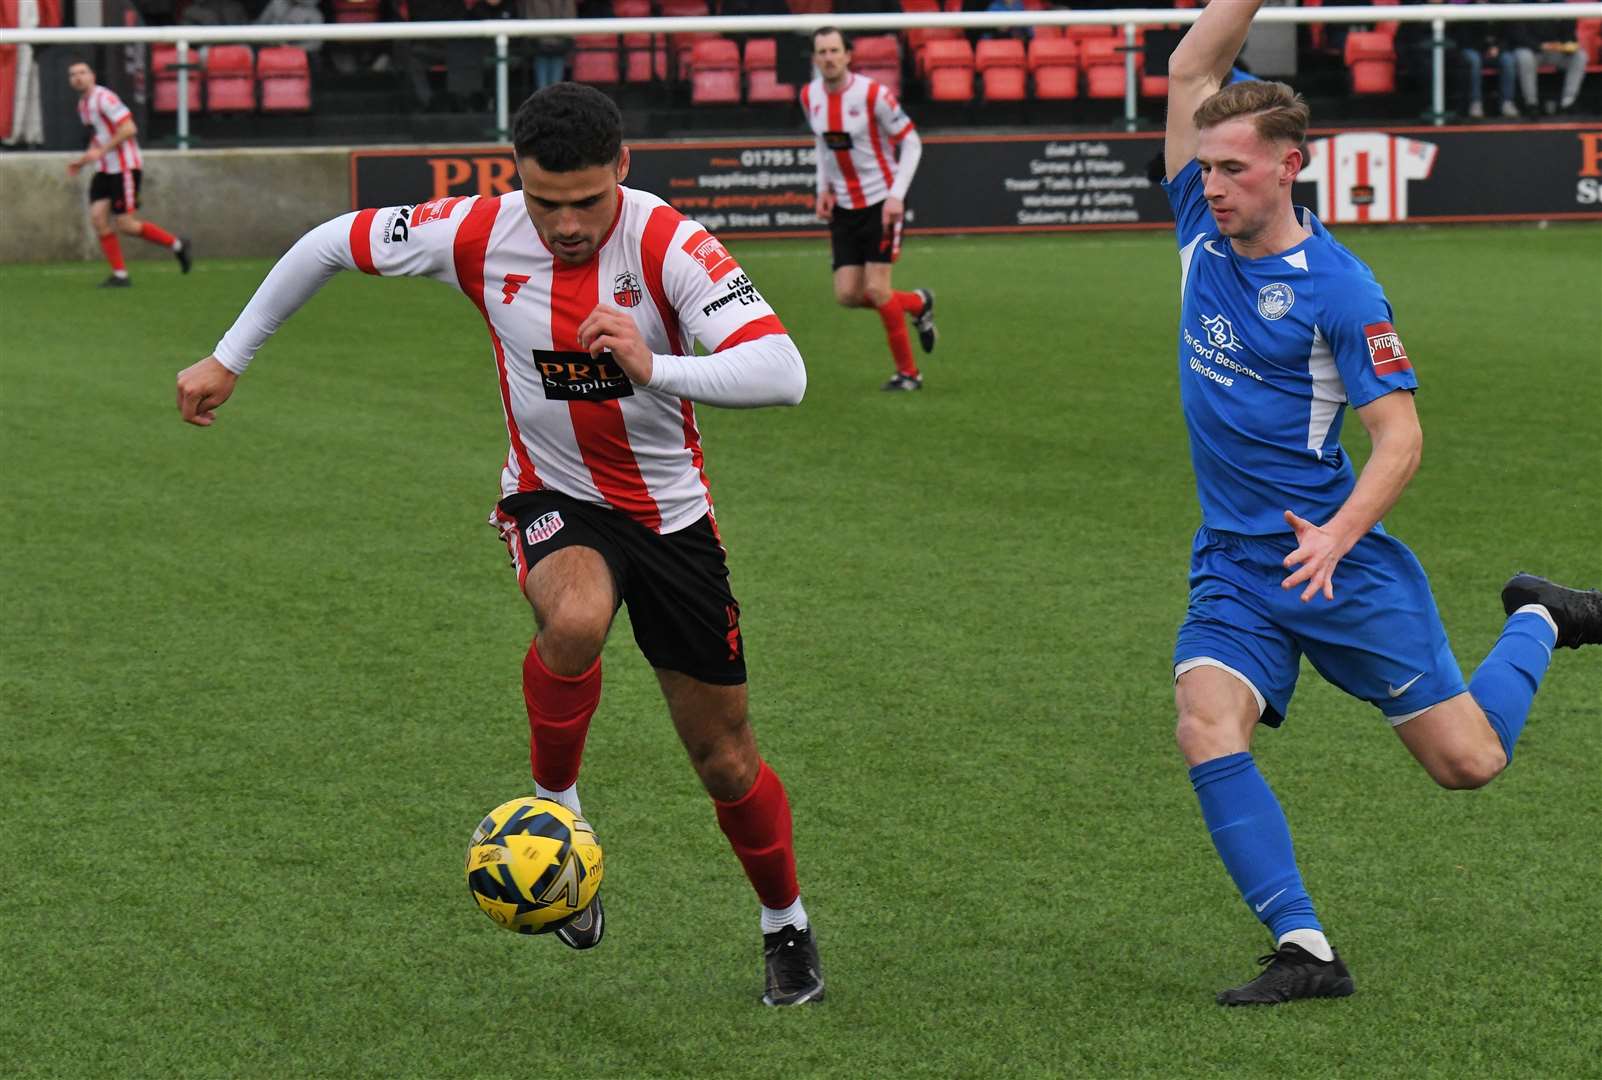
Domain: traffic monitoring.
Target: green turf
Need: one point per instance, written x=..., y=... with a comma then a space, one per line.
x=261, y=681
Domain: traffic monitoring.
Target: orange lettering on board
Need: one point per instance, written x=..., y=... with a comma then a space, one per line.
x=494, y=176
x=1591, y=153
x=448, y=172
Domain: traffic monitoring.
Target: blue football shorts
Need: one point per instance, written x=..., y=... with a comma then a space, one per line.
x=1380, y=639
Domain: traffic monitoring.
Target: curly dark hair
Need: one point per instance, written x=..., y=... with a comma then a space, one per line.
x=568, y=126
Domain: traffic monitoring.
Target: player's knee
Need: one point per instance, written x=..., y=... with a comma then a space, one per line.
x=1469, y=769
x=1202, y=736
x=848, y=298
x=877, y=298
x=128, y=226
x=571, y=637
x=727, y=766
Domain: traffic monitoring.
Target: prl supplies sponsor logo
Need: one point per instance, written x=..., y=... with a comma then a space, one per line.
x=1588, y=188
x=1385, y=349
x=543, y=528
x=578, y=376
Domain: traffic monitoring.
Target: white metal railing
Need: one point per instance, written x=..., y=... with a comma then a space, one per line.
x=502, y=31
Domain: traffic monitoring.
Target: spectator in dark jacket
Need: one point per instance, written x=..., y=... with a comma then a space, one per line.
x=1464, y=55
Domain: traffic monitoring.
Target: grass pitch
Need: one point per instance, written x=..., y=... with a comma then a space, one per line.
x=261, y=681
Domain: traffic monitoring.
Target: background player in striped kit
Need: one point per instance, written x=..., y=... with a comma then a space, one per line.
x=1281, y=329
x=594, y=295
x=868, y=152
x=119, y=169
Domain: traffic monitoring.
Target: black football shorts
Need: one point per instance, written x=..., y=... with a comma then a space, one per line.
x=858, y=237
x=121, y=188
x=676, y=585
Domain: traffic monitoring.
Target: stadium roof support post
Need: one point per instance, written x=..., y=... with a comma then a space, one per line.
x=1129, y=76
x=501, y=103
x=1438, y=72
x=183, y=95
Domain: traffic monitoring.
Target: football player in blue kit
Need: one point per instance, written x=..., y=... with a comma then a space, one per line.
x=1281, y=329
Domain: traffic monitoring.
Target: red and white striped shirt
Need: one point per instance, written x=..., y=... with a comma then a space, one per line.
x=576, y=425
x=860, y=131
x=103, y=111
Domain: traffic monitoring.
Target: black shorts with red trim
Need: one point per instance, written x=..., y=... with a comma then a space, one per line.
x=676, y=585
x=858, y=237
x=121, y=188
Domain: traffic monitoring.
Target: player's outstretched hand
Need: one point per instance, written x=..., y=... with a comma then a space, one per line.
x=607, y=329
x=1318, y=552
x=201, y=388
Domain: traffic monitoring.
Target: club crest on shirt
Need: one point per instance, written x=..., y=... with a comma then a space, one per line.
x=626, y=289
x=1220, y=333
x=1274, y=300
x=543, y=528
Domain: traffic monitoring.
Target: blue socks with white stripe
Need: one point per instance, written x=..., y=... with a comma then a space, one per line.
x=1505, y=684
x=1252, y=837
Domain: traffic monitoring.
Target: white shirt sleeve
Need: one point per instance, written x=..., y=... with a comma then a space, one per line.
x=752, y=360
x=907, y=163
x=893, y=119
x=385, y=243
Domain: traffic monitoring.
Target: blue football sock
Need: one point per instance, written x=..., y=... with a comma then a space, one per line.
x=1505, y=684
x=1252, y=837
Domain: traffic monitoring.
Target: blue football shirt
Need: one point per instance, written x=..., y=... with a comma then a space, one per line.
x=1271, y=351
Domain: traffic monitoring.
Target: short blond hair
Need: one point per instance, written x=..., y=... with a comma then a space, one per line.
x=1278, y=112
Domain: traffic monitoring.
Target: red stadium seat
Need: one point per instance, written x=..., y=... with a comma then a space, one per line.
x=1054, y=62
x=949, y=70
x=230, y=79
x=1048, y=32
x=1003, y=69
x=811, y=7
x=919, y=37
x=715, y=73
x=595, y=59
x=1371, y=57
x=761, y=77
x=1589, y=32
x=681, y=9
x=356, y=11
x=644, y=58
x=879, y=58
x=1082, y=34
x=285, y=77
x=1103, y=61
x=162, y=59
x=631, y=9
x=682, y=46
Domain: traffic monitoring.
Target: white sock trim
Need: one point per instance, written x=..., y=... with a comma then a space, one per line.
x=568, y=796
x=1207, y=661
x=1539, y=609
x=778, y=918
x=1313, y=941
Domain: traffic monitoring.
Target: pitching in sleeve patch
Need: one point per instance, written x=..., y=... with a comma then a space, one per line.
x=714, y=258
x=1385, y=349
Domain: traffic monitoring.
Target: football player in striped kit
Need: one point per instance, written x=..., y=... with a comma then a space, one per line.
x=1282, y=328
x=594, y=295
x=118, y=171
x=868, y=152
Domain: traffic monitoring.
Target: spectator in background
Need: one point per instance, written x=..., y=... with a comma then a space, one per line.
x=550, y=53
x=293, y=13
x=1463, y=55
x=415, y=58
x=1023, y=33
x=215, y=13
x=1536, y=42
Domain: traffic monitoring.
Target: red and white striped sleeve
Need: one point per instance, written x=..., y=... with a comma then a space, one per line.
x=898, y=126
x=111, y=107
x=752, y=360
x=396, y=241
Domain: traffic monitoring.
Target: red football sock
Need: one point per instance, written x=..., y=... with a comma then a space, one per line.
x=910, y=302
x=156, y=235
x=113, y=249
x=559, y=711
x=758, y=827
x=895, y=328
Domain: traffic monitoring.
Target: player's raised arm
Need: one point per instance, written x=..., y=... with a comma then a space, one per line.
x=1199, y=66
x=396, y=241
